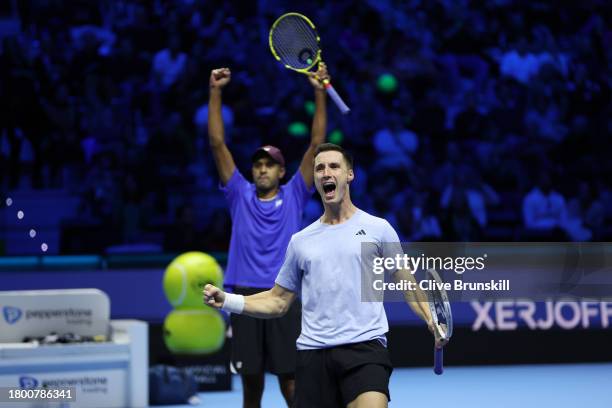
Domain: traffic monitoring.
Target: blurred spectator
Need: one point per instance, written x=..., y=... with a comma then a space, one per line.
x=574, y=220
x=169, y=64
x=418, y=222
x=543, y=119
x=544, y=208
x=466, y=199
x=521, y=64
x=395, y=145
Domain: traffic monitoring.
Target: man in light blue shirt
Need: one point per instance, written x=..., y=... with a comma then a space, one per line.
x=342, y=355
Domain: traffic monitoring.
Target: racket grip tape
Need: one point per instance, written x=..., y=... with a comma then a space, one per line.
x=337, y=99
x=438, y=360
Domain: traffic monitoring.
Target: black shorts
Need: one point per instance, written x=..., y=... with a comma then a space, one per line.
x=260, y=345
x=333, y=377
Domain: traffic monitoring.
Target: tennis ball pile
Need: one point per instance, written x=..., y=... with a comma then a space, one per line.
x=186, y=277
x=194, y=331
x=193, y=327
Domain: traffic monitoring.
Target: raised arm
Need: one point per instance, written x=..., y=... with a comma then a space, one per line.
x=216, y=132
x=264, y=305
x=319, y=124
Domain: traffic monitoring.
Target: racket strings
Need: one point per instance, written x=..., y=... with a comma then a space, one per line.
x=295, y=42
x=293, y=50
x=440, y=309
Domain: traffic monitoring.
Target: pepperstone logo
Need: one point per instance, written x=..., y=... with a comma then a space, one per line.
x=26, y=382
x=73, y=316
x=11, y=314
x=69, y=313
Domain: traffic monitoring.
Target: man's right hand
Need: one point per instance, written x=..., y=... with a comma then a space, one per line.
x=317, y=78
x=213, y=296
x=220, y=77
x=437, y=332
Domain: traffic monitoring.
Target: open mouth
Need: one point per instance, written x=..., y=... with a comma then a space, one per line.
x=329, y=189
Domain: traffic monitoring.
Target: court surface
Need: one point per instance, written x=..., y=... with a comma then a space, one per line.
x=525, y=386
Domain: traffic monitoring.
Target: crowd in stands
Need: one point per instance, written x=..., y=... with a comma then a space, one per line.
x=499, y=128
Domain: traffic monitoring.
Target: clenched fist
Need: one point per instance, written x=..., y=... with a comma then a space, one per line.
x=213, y=296
x=220, y=77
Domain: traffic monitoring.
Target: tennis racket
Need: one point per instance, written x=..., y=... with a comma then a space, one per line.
x=440, y=309
x=295, y=43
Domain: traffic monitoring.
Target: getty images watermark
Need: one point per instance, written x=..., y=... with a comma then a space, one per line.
x=459, y=265
x=487, y=271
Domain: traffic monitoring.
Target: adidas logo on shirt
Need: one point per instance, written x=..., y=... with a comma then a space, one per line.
x=360, y=232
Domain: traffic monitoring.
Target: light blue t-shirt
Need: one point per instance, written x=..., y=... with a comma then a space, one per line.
x=323, y=266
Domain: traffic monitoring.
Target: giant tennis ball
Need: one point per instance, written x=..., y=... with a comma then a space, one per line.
x=194, y=331
x=186, y=277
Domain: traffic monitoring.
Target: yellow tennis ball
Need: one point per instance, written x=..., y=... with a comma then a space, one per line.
x=186, y=277
x=194, y=331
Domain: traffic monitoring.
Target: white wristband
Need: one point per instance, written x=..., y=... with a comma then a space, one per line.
x=233, y=303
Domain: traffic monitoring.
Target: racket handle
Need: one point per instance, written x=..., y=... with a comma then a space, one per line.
x=336, y=98
x=438, y=360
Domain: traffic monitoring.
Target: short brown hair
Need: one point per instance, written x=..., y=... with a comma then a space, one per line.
x=327, y=147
